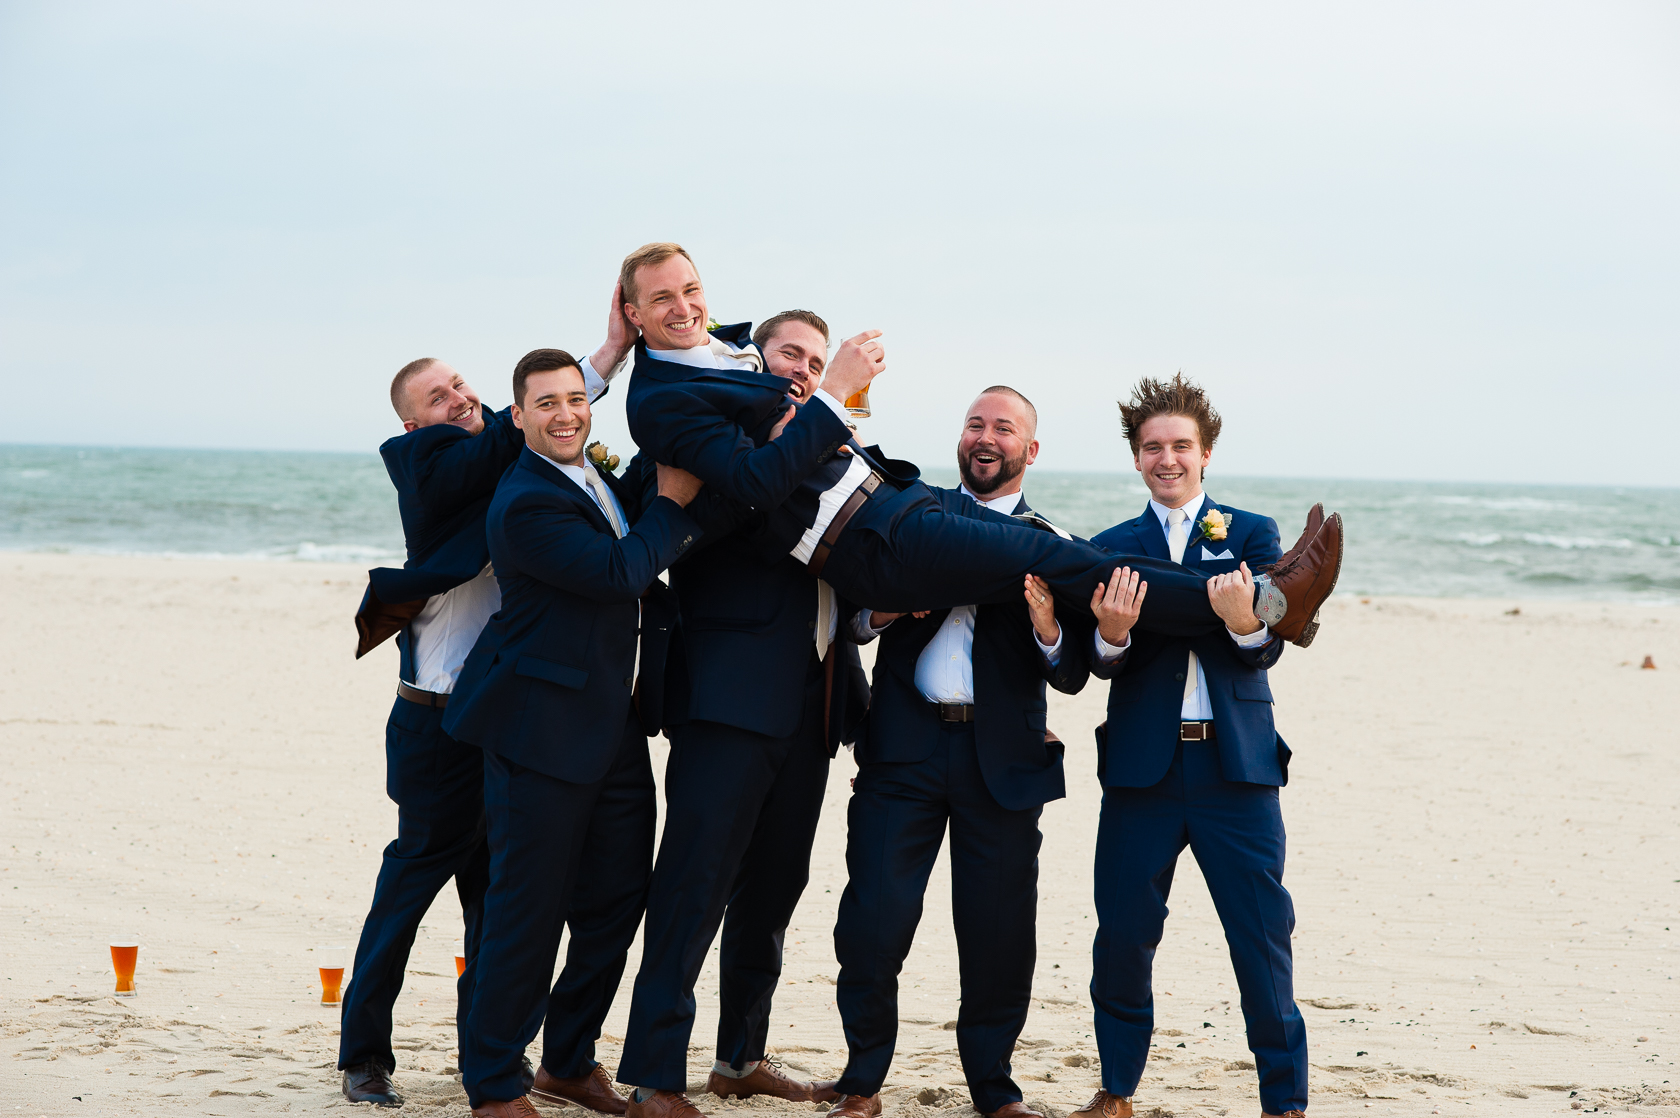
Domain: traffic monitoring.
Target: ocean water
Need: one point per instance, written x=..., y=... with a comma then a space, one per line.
x=1424, y=538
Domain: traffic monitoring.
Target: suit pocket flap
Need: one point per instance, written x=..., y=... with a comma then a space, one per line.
x=538, y=668
x=1036, y=719
x=1255, y=690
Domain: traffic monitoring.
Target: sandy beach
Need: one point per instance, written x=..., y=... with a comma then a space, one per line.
x=1484, y=816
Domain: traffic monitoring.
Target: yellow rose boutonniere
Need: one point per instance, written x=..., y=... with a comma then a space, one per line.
x=597, y=453
x=1215, y=525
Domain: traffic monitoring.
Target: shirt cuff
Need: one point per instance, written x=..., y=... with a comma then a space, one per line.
x=836, y=406
x=1109, y=653
x=862, y=628
x=1052, y=652
x=593, y=382
x=1252, y=640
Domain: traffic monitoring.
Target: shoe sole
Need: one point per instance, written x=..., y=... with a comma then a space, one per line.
x=559, y=1100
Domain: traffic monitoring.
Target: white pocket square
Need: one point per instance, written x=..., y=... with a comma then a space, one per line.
x=1207, y=555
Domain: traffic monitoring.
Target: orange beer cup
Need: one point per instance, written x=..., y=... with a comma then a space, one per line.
x=123, y=958
x=331, y=966
x=460, y=965
x=857, y=404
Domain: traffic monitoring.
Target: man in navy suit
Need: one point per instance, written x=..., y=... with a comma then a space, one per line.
x=568, y=789
x=445, y=467
x=1189, y=756
x=956, y=737
x=761, y=687
x=864, y=524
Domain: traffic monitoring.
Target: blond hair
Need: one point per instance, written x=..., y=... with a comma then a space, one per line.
x=648, y=256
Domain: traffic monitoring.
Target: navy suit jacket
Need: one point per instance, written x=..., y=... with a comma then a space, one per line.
x=1022, y=770
x=1146, y=697
x=715, y=423
x=445, y=479
x=548, y=685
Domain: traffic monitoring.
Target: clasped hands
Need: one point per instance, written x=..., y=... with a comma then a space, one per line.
x=1118, y=602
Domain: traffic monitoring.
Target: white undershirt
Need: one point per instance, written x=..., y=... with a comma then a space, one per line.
x=446, y=630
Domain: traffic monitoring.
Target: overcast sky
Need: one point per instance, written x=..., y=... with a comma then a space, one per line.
x=1395, y=241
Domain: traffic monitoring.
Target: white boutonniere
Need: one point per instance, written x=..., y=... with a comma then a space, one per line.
x=597, y=453
x=1214, y=526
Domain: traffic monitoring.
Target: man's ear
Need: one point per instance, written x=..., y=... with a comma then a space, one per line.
x=630, y=313
x=518, y=417
x=1032, y=452
x=410, y=425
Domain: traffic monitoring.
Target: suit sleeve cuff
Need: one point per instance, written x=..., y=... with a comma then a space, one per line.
x=837, y=407
x=593, y=383
x=1052, y=652
x=1109, y=653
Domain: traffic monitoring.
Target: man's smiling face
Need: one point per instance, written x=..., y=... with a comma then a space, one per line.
x=670, y=307
x=555, y=415
x=1171, y=459
x=798, y=351
x=997, y=444
x=439, y=395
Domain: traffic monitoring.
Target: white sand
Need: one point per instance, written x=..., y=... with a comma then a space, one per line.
x=1484, y=862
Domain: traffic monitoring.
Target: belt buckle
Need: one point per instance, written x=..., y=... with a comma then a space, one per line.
x=1185, y=730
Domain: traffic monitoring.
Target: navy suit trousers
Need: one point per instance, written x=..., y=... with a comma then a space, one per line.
x=741, y=814
x=437, y=784
x=895, y=824
x=929, y=558
x=1235, y=831
x=560, y=854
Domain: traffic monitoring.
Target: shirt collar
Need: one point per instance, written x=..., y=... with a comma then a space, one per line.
x=576, y=473
x=1190, y=507
x=1005, y=504
x=701, y=356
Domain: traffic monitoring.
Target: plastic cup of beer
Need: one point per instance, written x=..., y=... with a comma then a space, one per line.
x=460, y=965
x=857, y=404
x=330, y=961
x=123, y=958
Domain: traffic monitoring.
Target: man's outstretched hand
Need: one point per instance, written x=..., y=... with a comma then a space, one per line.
x=1117, y=604
x=620, y=336
x=855, y=364
x=679, y=485
x=1232, y=597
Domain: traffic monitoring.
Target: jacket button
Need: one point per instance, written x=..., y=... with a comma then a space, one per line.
x=629, y=681
x=1179, y=677
x=811, y=624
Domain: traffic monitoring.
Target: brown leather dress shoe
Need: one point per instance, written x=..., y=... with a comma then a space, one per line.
x=370, y=1082
x=1285, y=1114
x=1315, y=521
x=1105, y=1105
x=593, y=1091
x=1306, y=581
x=513, y=1108
x=856, y=1106
x=663, y=1104
x=1016, y=1109
x=767, y=1079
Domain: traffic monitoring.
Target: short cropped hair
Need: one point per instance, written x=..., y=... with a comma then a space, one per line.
x=767, y=329
x=399, y=385
x=1005, y=390
x=1153, y=398
x=650, y=255
x=539, y=361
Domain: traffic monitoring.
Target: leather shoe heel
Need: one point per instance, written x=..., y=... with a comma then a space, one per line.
x=512, y=1108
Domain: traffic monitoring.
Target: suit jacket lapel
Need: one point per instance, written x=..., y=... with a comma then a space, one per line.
x=543, y=468
x=1151, y=536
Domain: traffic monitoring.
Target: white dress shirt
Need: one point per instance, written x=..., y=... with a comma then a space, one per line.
x=448, y=627
x=594, y=383
x=945, y=668
x=1198, y=707
x=577, y=474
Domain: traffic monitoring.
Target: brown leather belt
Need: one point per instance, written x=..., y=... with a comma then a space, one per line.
x=424, y=698
x=955, y=712
x=1195, y=731
x=819, y=554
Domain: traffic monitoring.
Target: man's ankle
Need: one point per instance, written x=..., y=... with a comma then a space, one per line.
x=728, y=1072
x=643, y=1094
